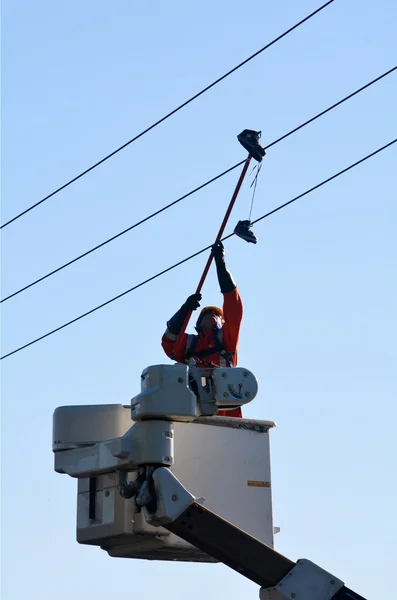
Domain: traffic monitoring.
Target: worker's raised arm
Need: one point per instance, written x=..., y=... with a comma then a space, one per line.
x=233, y=315
x=232, y=304
x=173, y=343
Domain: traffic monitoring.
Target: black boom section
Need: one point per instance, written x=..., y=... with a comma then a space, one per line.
x=237, y=549
x=230, y=545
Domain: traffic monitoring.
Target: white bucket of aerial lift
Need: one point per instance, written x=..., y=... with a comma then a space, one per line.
x=223, y=459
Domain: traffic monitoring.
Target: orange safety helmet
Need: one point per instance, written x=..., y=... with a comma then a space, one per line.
x=208, y=309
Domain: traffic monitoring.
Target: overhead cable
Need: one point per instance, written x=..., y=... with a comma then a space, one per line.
x=117, y=235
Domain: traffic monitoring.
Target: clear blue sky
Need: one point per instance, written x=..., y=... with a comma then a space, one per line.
x=319, y=289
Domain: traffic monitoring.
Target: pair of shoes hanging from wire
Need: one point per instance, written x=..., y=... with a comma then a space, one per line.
x=249, y=139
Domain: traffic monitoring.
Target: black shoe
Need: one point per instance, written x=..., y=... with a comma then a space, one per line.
x=249, y=139
x=243, y=230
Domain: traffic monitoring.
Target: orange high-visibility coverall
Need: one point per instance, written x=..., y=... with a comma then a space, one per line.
x=176, y=346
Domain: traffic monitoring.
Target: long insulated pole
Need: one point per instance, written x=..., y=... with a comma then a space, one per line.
x=218, y=237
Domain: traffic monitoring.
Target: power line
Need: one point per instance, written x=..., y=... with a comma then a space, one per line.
x=114, y=237
x=135, y=287
x=361, y=89
x=315, y=187
x=65, y=185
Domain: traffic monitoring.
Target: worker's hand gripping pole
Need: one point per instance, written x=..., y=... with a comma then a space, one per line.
x=218, y=237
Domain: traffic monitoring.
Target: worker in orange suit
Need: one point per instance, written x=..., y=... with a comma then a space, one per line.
x=218, y=331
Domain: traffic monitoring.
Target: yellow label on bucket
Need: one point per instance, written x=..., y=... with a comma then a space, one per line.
x=258, y=483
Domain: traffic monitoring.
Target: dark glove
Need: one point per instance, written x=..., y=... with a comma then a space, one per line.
x=226, y=282
x=174, y=325
x=193, y=301
x=218, y=252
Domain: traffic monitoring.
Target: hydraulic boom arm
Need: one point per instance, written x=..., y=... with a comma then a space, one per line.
x=278, y=577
